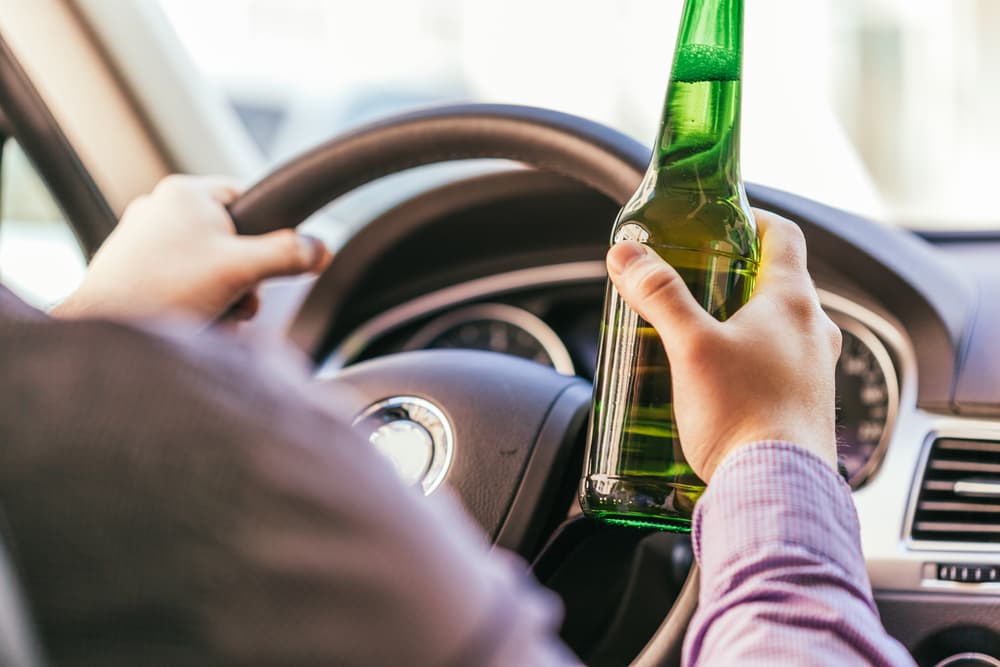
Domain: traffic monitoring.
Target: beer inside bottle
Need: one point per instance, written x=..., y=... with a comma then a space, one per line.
x=691, y=209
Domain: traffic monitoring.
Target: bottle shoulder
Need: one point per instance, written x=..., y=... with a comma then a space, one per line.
x=695, y=219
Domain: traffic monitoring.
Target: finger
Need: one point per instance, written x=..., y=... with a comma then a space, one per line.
x=656, y=291
x=220, y=188
x=281, y=253
x=783, y=255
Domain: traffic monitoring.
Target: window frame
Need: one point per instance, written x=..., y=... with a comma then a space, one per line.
x=25, y=118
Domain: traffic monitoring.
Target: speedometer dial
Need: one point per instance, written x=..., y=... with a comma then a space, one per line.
x=496, y=327
x=867, y=399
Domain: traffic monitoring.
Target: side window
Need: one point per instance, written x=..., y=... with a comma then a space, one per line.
x=40, y=258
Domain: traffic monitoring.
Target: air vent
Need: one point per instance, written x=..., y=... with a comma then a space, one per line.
x=959, y=497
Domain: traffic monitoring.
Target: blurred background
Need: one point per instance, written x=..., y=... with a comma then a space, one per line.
x=883, y=107
x=887, y=107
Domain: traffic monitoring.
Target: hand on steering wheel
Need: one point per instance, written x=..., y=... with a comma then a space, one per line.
x=176, y=251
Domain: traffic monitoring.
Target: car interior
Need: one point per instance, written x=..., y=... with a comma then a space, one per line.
x=469, y=312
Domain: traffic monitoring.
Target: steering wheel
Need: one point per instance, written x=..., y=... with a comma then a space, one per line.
x=499, y=430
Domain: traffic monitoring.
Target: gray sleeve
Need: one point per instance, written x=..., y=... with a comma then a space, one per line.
x=181, y=503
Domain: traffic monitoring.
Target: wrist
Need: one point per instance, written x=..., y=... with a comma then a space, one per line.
x=772, y=496
x=823, y=448
x=792, y=447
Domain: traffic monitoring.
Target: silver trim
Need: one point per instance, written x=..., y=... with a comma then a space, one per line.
x=499, y=312
x=961, y=587
x=981, y=657
x=976, y=489
x=432, y=418
x=879, y=335
x=360, y=338
x=888, y=368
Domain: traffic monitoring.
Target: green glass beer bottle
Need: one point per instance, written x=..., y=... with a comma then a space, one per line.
x=691, y=208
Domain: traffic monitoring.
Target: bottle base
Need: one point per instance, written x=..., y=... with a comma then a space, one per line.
x=669, y=525
x=640, y=501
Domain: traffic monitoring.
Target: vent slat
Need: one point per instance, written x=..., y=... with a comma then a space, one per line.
x=936, y=485
x=969, y=446
x=959, y=497
x=945, y=506
x=966, y=466
x=948, y=527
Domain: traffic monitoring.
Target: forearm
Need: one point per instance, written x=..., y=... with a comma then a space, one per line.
x=783, y=578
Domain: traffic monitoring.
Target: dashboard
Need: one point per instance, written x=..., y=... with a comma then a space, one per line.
x=512, y=262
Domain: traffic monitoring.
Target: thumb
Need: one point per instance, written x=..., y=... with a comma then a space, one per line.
x=282, y=253
x=656, y=291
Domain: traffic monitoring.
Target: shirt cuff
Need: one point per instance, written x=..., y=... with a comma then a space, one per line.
x=776, y=494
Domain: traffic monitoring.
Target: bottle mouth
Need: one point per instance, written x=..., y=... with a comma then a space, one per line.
x=702, y=62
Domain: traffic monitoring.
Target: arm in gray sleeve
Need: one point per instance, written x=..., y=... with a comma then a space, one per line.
x=181, y=504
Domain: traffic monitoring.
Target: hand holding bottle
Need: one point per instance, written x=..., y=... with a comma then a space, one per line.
x=767, y=373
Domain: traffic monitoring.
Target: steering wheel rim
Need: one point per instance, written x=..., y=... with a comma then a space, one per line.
x=582, y=150
x=568, y=145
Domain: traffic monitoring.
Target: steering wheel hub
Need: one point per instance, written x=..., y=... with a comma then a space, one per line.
x=414, y=435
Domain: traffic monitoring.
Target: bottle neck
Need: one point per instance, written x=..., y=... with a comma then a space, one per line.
x=699, y=140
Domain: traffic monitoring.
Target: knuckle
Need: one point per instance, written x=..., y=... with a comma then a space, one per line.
x=136, y=206
x=287, y=244
x=783, y=226
x=795, y=248
x=802, y=307
x=801, y=304
x=793, y=231
x=790, y=236
x=834, y=334
x=171, y=185
x=655, y=282
x=288, y=239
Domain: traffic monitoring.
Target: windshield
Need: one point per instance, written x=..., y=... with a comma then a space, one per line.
x=886, y=108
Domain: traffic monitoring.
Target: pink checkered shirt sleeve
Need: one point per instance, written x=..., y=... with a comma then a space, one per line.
x=783, y=581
